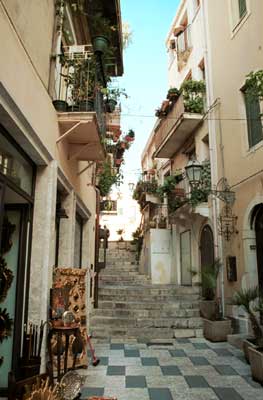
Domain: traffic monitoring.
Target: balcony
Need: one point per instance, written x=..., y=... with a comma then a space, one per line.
x=175, y=128
x=79, y=103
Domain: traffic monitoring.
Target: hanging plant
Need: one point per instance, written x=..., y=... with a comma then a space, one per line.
x=254, y=84
x=107, y=178
x=173, y=94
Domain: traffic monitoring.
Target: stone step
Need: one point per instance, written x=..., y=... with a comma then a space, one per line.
x=146, y=335
x=147, y=305
x=146, y=298
x=121, y=278
x=162, y=290
x=183, y=323
x=150, y=313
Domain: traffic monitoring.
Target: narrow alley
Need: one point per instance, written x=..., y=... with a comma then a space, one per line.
x=131, y=200
x=150, y=344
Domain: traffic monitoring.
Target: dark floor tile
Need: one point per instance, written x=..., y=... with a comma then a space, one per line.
x=201, y=346
x=117, y=346
x=103, y=360
x=135, y=382
x=116, y=370
x=183, y=340
x=225, y=370
x=199, y=361
x=160, y=394
x=149, y=361
x=223, y=353
x=131, y=353
x=252, y=383
x=196, y=381
x=177, y=353
x=91, y=391
x=227, y=394
x=168, y=370
x=242, y=358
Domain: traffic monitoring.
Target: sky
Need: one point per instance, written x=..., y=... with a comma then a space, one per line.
x=145, y=76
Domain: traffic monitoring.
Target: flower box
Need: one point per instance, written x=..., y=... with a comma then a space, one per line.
x=256, y=363
x=217, y=331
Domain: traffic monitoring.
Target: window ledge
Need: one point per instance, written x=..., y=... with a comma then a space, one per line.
x=195, y=14
x=240, y=23
x=254, y=148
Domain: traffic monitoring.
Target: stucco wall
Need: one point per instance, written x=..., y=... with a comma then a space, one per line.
x=236, y=51
x=34, y=23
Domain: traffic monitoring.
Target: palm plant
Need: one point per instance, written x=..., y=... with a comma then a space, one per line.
x=209, y=274
x=245, y=298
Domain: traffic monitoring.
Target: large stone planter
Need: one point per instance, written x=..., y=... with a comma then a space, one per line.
x=256, y=363
x=249, y=342
x=217, y=331
x=208, y=309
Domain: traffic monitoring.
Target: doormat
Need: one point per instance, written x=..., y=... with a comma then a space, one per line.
x=159, y=344
x=101, y=398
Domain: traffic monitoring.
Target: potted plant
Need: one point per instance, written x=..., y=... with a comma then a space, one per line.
x=216, y=328
x=101, y=31
x=112, y=96
x=130, y=136
x=193, y=94
x=173, y=94
x=252, y=346
x=209, y=274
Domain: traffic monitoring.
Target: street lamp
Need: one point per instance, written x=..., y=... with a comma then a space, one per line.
x=193, y=172
x=131, y=186
x=224, y=193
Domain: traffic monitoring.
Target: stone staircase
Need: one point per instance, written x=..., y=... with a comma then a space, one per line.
x=131, y=307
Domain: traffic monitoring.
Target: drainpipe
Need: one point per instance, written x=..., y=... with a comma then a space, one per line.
x=54, y=85
x=97, y=243
x=212, y=144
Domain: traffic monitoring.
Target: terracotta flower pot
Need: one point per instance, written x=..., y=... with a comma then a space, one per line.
x=129, y=138
x=100, y=44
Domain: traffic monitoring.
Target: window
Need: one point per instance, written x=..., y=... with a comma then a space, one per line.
x=254, y=124
x=239, y=10
x=242, y=6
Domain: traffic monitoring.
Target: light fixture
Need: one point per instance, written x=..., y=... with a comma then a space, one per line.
x=224, y=193
x=227, y=222
x=193, y=171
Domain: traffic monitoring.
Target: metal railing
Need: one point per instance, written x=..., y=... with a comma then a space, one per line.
x=78, y=82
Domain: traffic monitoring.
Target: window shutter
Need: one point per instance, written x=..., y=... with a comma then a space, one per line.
x=242, y=7
x=254, y=125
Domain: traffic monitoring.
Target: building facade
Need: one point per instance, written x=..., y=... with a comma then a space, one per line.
x=48, y=152
x=221, y=217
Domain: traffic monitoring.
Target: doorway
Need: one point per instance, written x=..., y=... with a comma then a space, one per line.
x=15, y=229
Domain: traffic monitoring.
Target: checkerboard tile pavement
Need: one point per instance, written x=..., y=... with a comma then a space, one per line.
x=186, y=369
